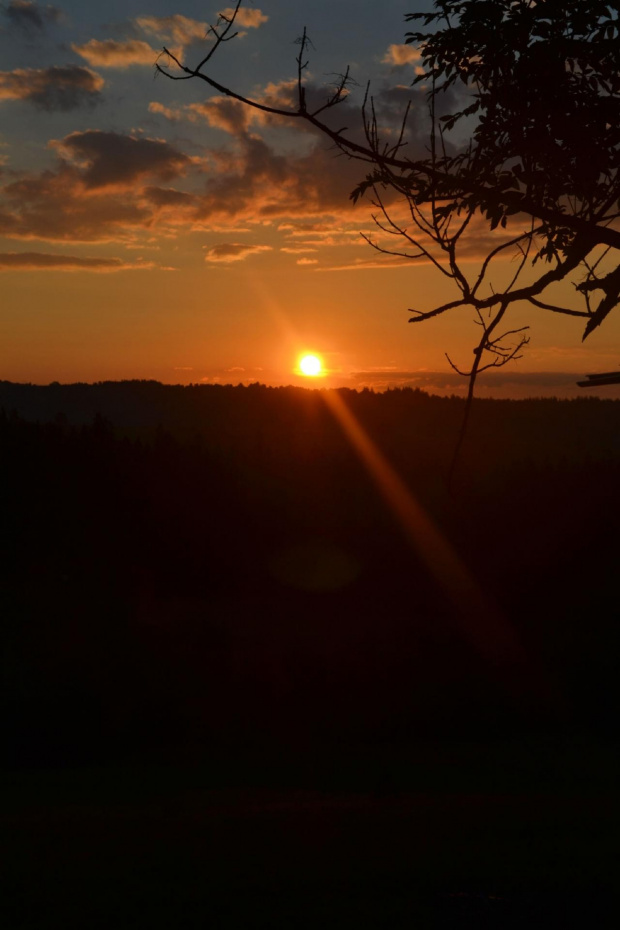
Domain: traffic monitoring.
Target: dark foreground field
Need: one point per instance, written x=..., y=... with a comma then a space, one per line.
x=235, y=694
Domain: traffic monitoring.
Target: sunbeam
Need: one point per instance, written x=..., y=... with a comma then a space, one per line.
x=480, y=620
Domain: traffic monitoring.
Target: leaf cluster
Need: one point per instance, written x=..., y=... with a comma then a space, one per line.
x=541, y=86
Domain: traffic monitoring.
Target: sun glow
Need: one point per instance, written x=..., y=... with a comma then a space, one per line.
x=310, y=365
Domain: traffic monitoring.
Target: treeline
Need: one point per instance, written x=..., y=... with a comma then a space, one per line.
x=212, y=570
x=407, y=418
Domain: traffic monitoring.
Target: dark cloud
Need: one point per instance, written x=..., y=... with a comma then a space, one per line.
x=29, y=16
x=96, y=193
x=233, y=252
x=44, y=261
x=53, y=207
x=392, y=102
x=260, y=184
x=110, y=159
x=56, y=88
x=168, y=197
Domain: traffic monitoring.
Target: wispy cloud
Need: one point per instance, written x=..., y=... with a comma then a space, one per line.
x=176, y=28
x=43, y=261
x=170, y=113
x=223, y=113
x=227, y=252
x=295, y=251
x=251, y=19
x=112, y=54
x=364, y=264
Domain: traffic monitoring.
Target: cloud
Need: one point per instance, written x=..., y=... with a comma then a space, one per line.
x=307, y=237
x=168, y=197
x=55, y=88
x=233, y=252
x=220, y=112
x=175, y=28
x=43, y=261
x=400, y=55
x=307, y=261
x=29, y=16
x=223, y=113
x=111, y=54
x=173, y=115
x=360, y=264
x=52, y=207
x=101, y=190
x=113, y=160
x=251, y=19
x=296, y=251
x=306, y=229
x=259, y=185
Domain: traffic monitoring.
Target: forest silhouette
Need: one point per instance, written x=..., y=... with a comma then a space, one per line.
x=205, y=595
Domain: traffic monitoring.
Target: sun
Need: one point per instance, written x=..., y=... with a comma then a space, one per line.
x=310, y=365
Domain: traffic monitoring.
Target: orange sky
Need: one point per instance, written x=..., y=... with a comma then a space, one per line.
x=148, y=230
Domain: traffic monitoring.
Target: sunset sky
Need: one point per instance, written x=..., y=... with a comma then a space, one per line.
x=149, y=229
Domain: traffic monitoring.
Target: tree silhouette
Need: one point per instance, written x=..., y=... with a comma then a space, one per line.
x=537, y=90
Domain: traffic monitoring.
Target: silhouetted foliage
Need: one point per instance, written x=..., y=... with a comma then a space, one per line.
x=545, y=84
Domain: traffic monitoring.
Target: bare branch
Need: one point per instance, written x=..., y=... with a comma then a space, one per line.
x=429, y=314
x=511, y=243
x=555, y=309
x=221, y=37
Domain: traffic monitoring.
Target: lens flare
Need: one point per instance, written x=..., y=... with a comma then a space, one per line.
x=481, y=622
